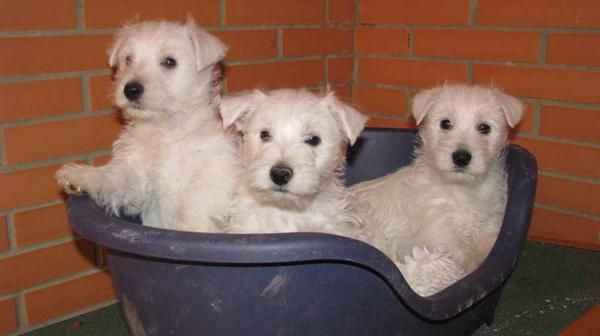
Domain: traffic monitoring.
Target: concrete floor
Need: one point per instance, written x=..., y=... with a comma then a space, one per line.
x=551, y=287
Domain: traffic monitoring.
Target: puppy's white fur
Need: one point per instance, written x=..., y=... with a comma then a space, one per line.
x=277, y=128
x=174, y=164
x=434, y=204
x=428, y=272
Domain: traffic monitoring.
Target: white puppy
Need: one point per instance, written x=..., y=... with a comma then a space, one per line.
x=174, y=164
x=293, y=154
x=450, y=201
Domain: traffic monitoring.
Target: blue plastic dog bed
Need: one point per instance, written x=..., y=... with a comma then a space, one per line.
x=308, y=284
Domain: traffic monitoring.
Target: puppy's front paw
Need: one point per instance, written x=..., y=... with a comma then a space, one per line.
x=70, y=178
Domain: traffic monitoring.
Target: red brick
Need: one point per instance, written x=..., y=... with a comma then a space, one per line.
x=275, y=75
x=303, y=42
x=378, y=122
x=569, y=244
x=101, y=160
x=32, y=55
x=37, y=14
x=114, y=13
x=60, y=138
x=39, y=225
x=527, y=121
x=341, y=11
x=569, y=48
x=320, y=90
x=588, y=324
x=380, y=100
x=8, y=311
x=101, y=91
x=435, y=12
x=557, y=84
x=249, y=44
x=28, y=269
x=410, y=73
x=344, y=92
x=477, y=44
x=566, y=243
x=27, y=100
x=68, y=297
x=381, y=41
x=572, y=123
x=340, y=69
x=569, y=194
x=3, y=235
x=101, y=257
x=539, y=13
x=560, y=227
x=28, y=187
x=274, y=11
x=564, y=158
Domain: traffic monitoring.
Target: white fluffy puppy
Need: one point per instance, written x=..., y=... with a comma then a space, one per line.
x=450, y=201
x=293, y=154
x=174, y=164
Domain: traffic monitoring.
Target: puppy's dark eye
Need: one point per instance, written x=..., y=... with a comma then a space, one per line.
x=312, y=140
x=445, y=124
x=128, y=59
x=265, y=136
x=169, y=62
x=484, y=128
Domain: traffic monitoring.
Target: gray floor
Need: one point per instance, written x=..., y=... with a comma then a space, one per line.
x=551, y=287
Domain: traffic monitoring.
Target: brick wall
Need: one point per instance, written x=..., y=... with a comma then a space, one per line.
x=55, y=84
x=55, y=108
x=546, y=52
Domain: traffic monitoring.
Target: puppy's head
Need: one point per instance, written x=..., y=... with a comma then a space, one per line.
x=465, y=127
x=163, y=68
x=293, y=142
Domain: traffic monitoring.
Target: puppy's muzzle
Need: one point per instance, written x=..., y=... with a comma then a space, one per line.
x=461, y=158
x=281, y=175
x=133, y=91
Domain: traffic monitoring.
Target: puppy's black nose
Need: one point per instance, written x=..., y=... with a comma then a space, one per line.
x=461, y=158
x=281, y=175
x=133, y=90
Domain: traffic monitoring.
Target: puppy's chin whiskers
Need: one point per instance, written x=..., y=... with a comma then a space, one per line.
x=460, y=170
x=134, y=106
x=461, y=176
x=127, y=105
x=283, y=200
x=139, y=114
x=279, y=190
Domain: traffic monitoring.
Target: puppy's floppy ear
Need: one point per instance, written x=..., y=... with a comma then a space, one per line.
x=511, y=107
x=208, y=49
x=235, y=109
x=423, y=102
x=351, y=120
